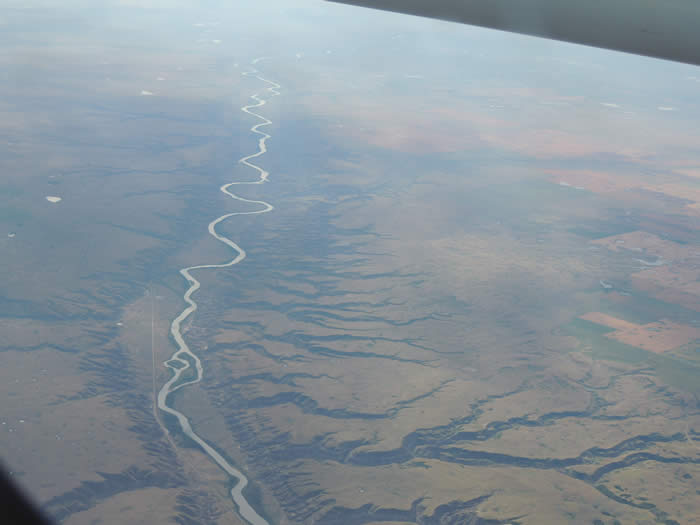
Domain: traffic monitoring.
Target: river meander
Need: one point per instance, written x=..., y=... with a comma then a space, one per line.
x=184, y=359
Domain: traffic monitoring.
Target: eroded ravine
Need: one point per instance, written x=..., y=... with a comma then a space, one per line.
x=184, y=359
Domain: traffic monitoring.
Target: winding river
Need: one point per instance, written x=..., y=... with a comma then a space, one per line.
x=184, y=358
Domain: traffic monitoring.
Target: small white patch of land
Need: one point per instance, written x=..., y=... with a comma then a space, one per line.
x=146, y=93
x=666, y=108
x=609, y=105
x=52, y=198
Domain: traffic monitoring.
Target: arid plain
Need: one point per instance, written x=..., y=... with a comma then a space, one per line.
x=476, y=300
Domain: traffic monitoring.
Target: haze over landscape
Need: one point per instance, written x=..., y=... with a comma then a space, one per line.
x=308, y=263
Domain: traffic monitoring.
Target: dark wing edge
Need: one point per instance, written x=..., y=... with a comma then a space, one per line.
x=666, y=29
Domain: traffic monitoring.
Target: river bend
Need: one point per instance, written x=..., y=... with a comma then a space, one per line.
x=184, y=358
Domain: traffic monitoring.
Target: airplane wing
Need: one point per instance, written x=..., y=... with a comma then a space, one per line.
x=667, y=29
